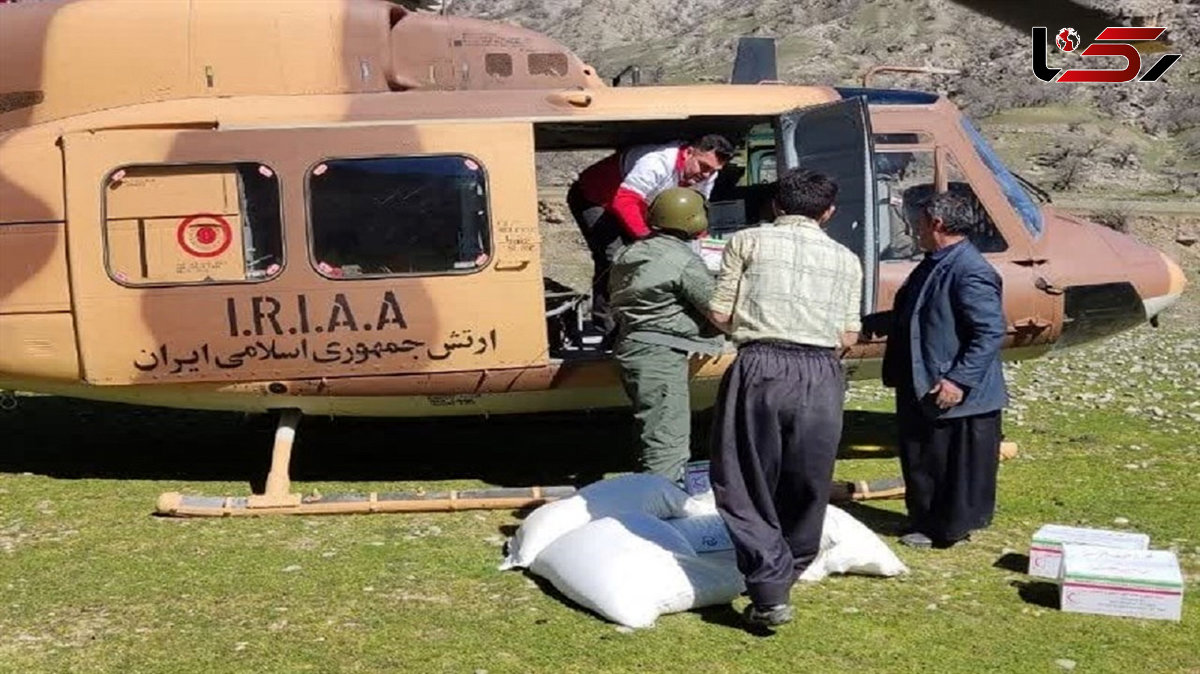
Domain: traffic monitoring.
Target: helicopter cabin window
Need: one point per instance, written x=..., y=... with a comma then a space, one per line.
x=192, y=224
x=906, y=177
x=553, y=63
x=396, y=216
x=498, y=64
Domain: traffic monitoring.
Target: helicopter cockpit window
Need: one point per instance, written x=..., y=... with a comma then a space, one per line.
x=984, y=233
x=392, y=216
x=905, y=179
x=192, y=224
x=1030, y=212
x=896, y=173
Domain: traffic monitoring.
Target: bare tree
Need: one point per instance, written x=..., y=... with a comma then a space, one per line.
x=1113, y=217
x=1123, y=156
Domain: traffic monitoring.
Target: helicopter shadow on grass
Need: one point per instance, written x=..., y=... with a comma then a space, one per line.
x=75, y=439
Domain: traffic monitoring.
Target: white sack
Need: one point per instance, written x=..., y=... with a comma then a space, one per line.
x=705, y=533
x=848, y=546
x=700, y=504
x=646, y=493
x=632, y=568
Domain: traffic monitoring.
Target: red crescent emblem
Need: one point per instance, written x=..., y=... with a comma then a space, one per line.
x=204, y=235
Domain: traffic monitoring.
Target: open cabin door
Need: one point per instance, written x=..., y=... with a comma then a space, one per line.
x=262, y=255
x=835, y=139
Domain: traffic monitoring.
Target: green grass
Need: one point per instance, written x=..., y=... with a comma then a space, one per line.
x=90, y=581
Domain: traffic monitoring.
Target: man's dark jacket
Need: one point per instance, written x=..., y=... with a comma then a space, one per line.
x=956, y=328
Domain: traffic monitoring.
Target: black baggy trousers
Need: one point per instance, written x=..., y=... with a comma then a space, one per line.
x=775, y=436
x=949, y=468
x=605, y=237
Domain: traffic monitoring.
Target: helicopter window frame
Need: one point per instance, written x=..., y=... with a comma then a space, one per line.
x=486, y=230
x=281, y=228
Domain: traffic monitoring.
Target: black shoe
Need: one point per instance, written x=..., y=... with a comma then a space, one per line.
x=946, y=545
x=768, y=616
x=916, y=540
x=609, y=341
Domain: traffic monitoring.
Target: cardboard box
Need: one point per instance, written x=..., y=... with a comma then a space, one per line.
x=1120, y=582
x=695, y=478
x=711, y=251
x=1045, y=552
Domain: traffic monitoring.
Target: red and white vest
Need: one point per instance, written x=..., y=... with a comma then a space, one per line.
x=626, y=183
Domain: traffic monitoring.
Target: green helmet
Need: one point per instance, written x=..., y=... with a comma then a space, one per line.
x=681, y=209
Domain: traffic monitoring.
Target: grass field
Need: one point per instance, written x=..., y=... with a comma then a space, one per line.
x=90, y=581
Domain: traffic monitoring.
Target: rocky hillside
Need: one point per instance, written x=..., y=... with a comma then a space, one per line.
x=1137, y=139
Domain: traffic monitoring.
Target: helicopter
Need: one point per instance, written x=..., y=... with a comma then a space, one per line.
x=330, y=208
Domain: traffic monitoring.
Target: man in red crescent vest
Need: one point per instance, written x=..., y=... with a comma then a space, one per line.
x=610, y=199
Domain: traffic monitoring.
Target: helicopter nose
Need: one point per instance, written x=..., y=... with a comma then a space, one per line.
x=1176, y=281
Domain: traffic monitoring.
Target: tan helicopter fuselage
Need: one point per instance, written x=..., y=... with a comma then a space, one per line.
x=332, y=206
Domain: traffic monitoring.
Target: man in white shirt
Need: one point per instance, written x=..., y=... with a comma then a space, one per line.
x=610, y=199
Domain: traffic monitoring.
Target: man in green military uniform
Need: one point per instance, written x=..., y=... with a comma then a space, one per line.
x=660, y=289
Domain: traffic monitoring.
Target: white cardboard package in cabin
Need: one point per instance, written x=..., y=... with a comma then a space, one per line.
x=1045, y=551
x=695, y=478
x=1121, y=582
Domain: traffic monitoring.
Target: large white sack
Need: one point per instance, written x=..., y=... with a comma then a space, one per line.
x=700, y=504
x=848, y=546
x=705, y=532
x=633, y=567
x=634, y=493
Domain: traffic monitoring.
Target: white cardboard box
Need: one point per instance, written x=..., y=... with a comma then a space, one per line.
x=695, y=478
x=1045, y=552
x=1117, y=582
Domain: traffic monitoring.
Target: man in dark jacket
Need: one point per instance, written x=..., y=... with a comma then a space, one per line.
x=943, y=359
x=660, y=291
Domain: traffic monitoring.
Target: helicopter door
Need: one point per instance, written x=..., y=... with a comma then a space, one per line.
x=835, y=139
x=269, y=255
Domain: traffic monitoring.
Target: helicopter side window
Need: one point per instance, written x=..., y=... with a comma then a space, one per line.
x=390, y=216
x=192, y=224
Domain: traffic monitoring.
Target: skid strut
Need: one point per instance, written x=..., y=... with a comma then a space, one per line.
x=277, y=493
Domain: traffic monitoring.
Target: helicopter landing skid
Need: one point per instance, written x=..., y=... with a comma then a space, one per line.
x=890, y=488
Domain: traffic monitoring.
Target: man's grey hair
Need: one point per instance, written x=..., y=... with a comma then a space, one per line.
x=954, y=210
